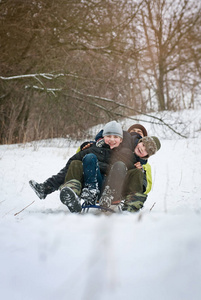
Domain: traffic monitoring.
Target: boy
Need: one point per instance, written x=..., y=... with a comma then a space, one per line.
x=133, y=190
x=143, y=164
x=137, y=128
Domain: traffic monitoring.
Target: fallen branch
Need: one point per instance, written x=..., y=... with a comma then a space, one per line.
x=23, y=208
x=152, y=206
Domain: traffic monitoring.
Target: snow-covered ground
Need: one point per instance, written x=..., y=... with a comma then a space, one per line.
x=47, y=253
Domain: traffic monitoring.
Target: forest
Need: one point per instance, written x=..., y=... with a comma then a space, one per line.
x=68, y=65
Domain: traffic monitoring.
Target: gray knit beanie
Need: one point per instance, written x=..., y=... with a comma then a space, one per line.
x=113, y=128
x=151, y=143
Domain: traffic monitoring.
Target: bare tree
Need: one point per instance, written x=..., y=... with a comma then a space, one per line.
x=76, y=46
x=170, y=40
x=68, y=65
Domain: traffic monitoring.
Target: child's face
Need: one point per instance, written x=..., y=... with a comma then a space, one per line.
x=140, y=150
x=112, y=140
x=139, y=131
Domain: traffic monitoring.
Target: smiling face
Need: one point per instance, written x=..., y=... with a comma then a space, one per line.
x=112, y=140
x=140, y=150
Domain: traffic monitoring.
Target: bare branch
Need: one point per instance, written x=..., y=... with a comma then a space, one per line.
x=17, y=213
x=48, y=76
x=132, y=109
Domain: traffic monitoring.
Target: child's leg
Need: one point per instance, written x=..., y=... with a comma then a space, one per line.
x=92, y=179
x=75, y=171
x=114, y=183
x=91, y=170
x=133, y=191
x=133, y=182
x=71, y=189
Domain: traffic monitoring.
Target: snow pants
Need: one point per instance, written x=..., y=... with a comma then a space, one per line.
x=86, y=171
x=133, y=182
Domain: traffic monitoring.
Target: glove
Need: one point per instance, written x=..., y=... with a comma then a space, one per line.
x=86, y=145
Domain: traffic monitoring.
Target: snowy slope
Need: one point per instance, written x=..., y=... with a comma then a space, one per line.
x=48, y=253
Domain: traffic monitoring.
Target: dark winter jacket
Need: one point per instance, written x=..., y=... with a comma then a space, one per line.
x=106, y=158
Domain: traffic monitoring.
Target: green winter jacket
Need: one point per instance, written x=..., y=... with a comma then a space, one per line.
x=147, y=169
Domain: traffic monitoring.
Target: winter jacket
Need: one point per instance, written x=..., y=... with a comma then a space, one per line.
x=147, y=178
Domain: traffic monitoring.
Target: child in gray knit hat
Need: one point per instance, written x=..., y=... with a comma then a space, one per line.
x=112, y=134
x=113, y=128
x=97, y=160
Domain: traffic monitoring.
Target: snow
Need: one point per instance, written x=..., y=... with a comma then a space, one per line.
x=48, y=253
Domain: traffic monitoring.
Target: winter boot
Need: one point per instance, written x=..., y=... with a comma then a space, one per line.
x=41, y=189
x=107, y=197
x=134, y=202
x=69, y=195
x=89, y=196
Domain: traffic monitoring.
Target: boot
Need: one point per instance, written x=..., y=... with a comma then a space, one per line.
x=89, y=196
x=41, y=189
x=134, y=202
x=69, y=195
x=107, y=197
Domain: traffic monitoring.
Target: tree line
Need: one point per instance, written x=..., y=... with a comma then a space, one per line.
x=69, y=65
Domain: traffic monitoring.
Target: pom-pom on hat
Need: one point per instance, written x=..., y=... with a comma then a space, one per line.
x=138, y=126
x=151, y=143
x=113, y=128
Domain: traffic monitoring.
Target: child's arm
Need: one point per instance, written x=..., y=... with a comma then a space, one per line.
x=88, y=144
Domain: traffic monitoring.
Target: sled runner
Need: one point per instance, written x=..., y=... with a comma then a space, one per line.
x=114, y=208
x=86, y=208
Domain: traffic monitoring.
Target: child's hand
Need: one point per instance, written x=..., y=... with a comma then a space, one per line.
x=87, y=146
x=138, y=165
